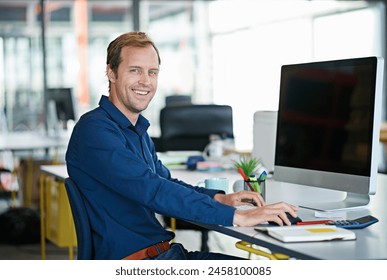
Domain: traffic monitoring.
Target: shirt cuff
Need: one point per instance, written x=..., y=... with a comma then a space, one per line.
x=212, y=193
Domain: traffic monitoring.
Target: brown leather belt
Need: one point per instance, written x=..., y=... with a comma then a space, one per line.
x=149, y=252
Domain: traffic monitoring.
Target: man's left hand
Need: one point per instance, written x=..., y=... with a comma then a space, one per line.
x=241, y=198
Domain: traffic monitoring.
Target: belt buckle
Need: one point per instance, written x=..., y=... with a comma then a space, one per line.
x=155, y=250
x=151, y=252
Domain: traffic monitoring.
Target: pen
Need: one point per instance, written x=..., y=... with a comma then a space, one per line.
x=313, y=222
x=245, y=178
x=254, y=183
x=262, y=174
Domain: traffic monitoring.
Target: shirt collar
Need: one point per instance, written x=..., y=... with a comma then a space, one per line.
x=142, y=123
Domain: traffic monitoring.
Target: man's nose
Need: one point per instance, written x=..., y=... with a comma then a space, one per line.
x=145, y=79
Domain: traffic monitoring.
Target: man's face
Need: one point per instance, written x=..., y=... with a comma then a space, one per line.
x=135, y=84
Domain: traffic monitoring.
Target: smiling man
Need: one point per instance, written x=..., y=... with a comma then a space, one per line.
x=113, y=160
x=132, y=75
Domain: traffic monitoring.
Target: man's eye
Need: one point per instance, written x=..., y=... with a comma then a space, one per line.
x=135, y=71
x=153, y=73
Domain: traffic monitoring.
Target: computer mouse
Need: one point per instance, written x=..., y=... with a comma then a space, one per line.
x=292, y=220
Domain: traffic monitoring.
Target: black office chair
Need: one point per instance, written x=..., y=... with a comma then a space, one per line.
x=178, y=100
x=171, y=101
x=188, y=128
x=81, y=221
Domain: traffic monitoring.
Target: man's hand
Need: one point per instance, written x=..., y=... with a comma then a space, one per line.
x=272, y=212
x=240, y=198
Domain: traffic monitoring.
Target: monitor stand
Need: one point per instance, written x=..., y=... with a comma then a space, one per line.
x=352, y=201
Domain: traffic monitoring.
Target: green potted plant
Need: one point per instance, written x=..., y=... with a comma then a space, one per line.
x=248, y=165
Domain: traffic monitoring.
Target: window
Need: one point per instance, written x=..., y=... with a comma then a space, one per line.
x=247, y=55
x=224, y=52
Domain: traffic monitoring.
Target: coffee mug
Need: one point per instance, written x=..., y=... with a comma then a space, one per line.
x=215, y=183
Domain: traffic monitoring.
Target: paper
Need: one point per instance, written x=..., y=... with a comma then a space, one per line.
x=308, y=233
x=331, y=215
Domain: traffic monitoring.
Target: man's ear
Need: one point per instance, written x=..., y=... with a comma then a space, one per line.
x=110, y=74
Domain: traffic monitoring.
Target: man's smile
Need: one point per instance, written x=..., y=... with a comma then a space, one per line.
x=140, y=92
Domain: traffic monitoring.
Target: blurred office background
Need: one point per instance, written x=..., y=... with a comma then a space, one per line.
x=222, y=52
x=226, y=52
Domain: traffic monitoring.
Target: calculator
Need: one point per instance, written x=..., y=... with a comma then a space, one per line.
x=358, y=223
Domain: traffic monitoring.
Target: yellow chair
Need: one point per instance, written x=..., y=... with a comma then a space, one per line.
x=56, y=219
x=247, y=246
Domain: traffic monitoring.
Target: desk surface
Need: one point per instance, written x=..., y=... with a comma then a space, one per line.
x=58, y=171
x=191, y=177
x=24, y=141
x=371, y=242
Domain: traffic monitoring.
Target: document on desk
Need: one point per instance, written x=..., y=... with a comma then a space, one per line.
x=308, y=233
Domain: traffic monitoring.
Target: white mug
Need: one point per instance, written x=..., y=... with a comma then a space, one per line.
x=215, y=183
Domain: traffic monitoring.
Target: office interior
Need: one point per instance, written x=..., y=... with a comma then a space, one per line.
x=214, y=52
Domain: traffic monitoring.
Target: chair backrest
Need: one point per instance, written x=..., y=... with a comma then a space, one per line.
x=81, y=221
x=178, y=100
x=188, y=127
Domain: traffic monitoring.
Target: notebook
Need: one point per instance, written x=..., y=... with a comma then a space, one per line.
x=307, y=233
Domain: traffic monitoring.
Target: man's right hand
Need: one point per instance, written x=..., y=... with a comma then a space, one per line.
x=275, y=212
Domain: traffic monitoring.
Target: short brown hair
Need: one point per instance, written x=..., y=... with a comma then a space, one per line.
x=134, y=39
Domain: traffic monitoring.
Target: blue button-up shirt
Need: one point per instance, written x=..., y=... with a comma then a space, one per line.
x=124, y=184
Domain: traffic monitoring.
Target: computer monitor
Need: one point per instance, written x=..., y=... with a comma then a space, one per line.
x=328, y=128
x=61, y=101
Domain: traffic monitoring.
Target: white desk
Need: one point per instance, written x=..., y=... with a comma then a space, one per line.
x=371, y=242
x=58, y=171
x=28, y=141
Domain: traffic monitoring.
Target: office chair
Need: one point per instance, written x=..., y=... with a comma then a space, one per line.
x=170, y=101
x=178, y=100
x=188, y=128
x=81, y=220
x=249, y=247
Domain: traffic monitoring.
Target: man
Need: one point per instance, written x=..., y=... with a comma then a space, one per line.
x=113, y=160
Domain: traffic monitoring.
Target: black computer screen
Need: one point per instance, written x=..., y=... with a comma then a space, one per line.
x=63, y=99
x=325, y=117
